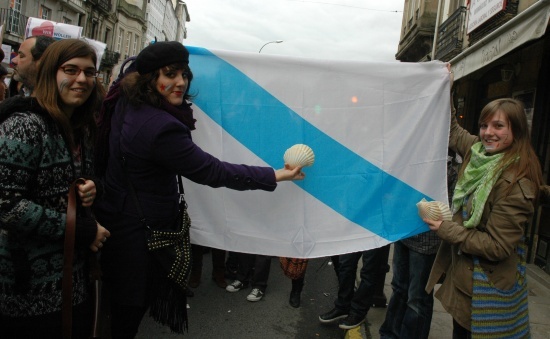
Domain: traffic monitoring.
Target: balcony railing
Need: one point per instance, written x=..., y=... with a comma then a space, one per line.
x=450, y=35
x=105, y=5
x=77, y=3
x=110, y=58
x=14, y=22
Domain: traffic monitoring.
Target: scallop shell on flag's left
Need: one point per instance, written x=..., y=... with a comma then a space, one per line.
x=299, y=155
x=434, y=210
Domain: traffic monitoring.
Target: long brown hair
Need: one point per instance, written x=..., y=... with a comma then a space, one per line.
x=46, y=91
x=527, y=164
x=141, y=89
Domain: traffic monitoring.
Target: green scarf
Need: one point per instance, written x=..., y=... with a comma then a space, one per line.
x=477, y=181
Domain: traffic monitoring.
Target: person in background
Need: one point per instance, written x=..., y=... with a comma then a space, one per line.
x=3, y=86
x=493, y=203
x=218, y=266
x=27, y=61
x=252, y=269
x=47, y=142
x=410, y=309
x=352, y=305
x=295, y=269
x=147, y=120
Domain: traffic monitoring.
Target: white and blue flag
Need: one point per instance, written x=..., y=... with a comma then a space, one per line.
x=379, y=132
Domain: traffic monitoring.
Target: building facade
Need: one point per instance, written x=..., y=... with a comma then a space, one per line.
x=497, y=48
x=121, y=24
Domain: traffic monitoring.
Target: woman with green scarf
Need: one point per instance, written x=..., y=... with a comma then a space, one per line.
x=481, y=259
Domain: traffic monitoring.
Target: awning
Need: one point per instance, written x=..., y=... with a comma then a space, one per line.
x=528, y=25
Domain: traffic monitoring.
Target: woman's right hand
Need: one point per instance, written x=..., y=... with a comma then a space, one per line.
x=101, y=237
x=286, y=173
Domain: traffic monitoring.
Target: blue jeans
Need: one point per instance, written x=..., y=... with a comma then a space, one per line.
x=409, y=312
x=358, y=302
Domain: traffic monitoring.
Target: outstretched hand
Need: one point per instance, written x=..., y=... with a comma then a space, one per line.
x=286, y=173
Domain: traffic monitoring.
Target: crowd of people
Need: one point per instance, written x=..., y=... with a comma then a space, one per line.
x=59, y=125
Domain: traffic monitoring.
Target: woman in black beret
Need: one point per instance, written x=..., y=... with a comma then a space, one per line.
x=144, y=145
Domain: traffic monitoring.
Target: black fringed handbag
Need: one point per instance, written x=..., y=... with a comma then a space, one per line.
x=170, y=247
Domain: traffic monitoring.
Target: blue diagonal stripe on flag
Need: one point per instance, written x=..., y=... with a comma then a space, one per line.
x=258, y=120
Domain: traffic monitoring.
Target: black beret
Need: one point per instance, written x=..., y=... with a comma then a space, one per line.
x=161, y=54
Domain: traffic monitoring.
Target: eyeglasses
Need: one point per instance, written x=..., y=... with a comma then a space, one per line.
x=75, y=71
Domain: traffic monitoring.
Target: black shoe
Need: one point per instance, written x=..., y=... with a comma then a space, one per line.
x=351, y=321
x=294, y=299
x=332, y=315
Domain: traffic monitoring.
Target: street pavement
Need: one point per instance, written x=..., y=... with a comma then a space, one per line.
x=215, y=313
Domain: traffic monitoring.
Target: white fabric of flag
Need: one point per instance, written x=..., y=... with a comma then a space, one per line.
x=379, y=132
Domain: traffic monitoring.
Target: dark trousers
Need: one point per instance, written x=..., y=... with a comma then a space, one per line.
x=47, y=326
x=358, y=302
x=254, y=269
x=218, y=259
x=125, y=321
x=460, y=332
x=409, y=313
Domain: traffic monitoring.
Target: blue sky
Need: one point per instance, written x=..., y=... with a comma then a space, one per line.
x=365, y=30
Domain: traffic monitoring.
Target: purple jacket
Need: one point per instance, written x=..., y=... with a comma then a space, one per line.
x=156, y=147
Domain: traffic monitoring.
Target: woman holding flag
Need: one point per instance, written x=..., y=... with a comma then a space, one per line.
x=144, y=144
x=482, y=256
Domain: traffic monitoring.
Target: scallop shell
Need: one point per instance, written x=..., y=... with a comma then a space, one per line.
x=434, y=210
x=299, y=155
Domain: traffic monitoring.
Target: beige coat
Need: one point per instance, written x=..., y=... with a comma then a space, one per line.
x=494, y=240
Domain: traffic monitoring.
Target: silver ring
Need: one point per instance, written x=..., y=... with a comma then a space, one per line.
x=104, y=239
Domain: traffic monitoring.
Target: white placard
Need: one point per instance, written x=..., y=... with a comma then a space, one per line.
x=7, y=53
x=483, y=10
x=99, y=48
x=52, y=29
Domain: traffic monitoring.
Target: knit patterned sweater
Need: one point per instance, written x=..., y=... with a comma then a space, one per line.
x=36, y=168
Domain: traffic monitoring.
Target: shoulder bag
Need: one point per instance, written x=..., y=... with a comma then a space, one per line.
x=500, y=313
x=170, y=247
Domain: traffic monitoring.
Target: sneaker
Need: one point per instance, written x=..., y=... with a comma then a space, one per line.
x=351, y=321
x=235, y=286
x=255, y=295
x=332, y=315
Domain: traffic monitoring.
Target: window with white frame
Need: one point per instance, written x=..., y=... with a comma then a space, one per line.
x=136, y=44
x=13, y=25
x=119, y=40
x=46, y=13
x=128, y=40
